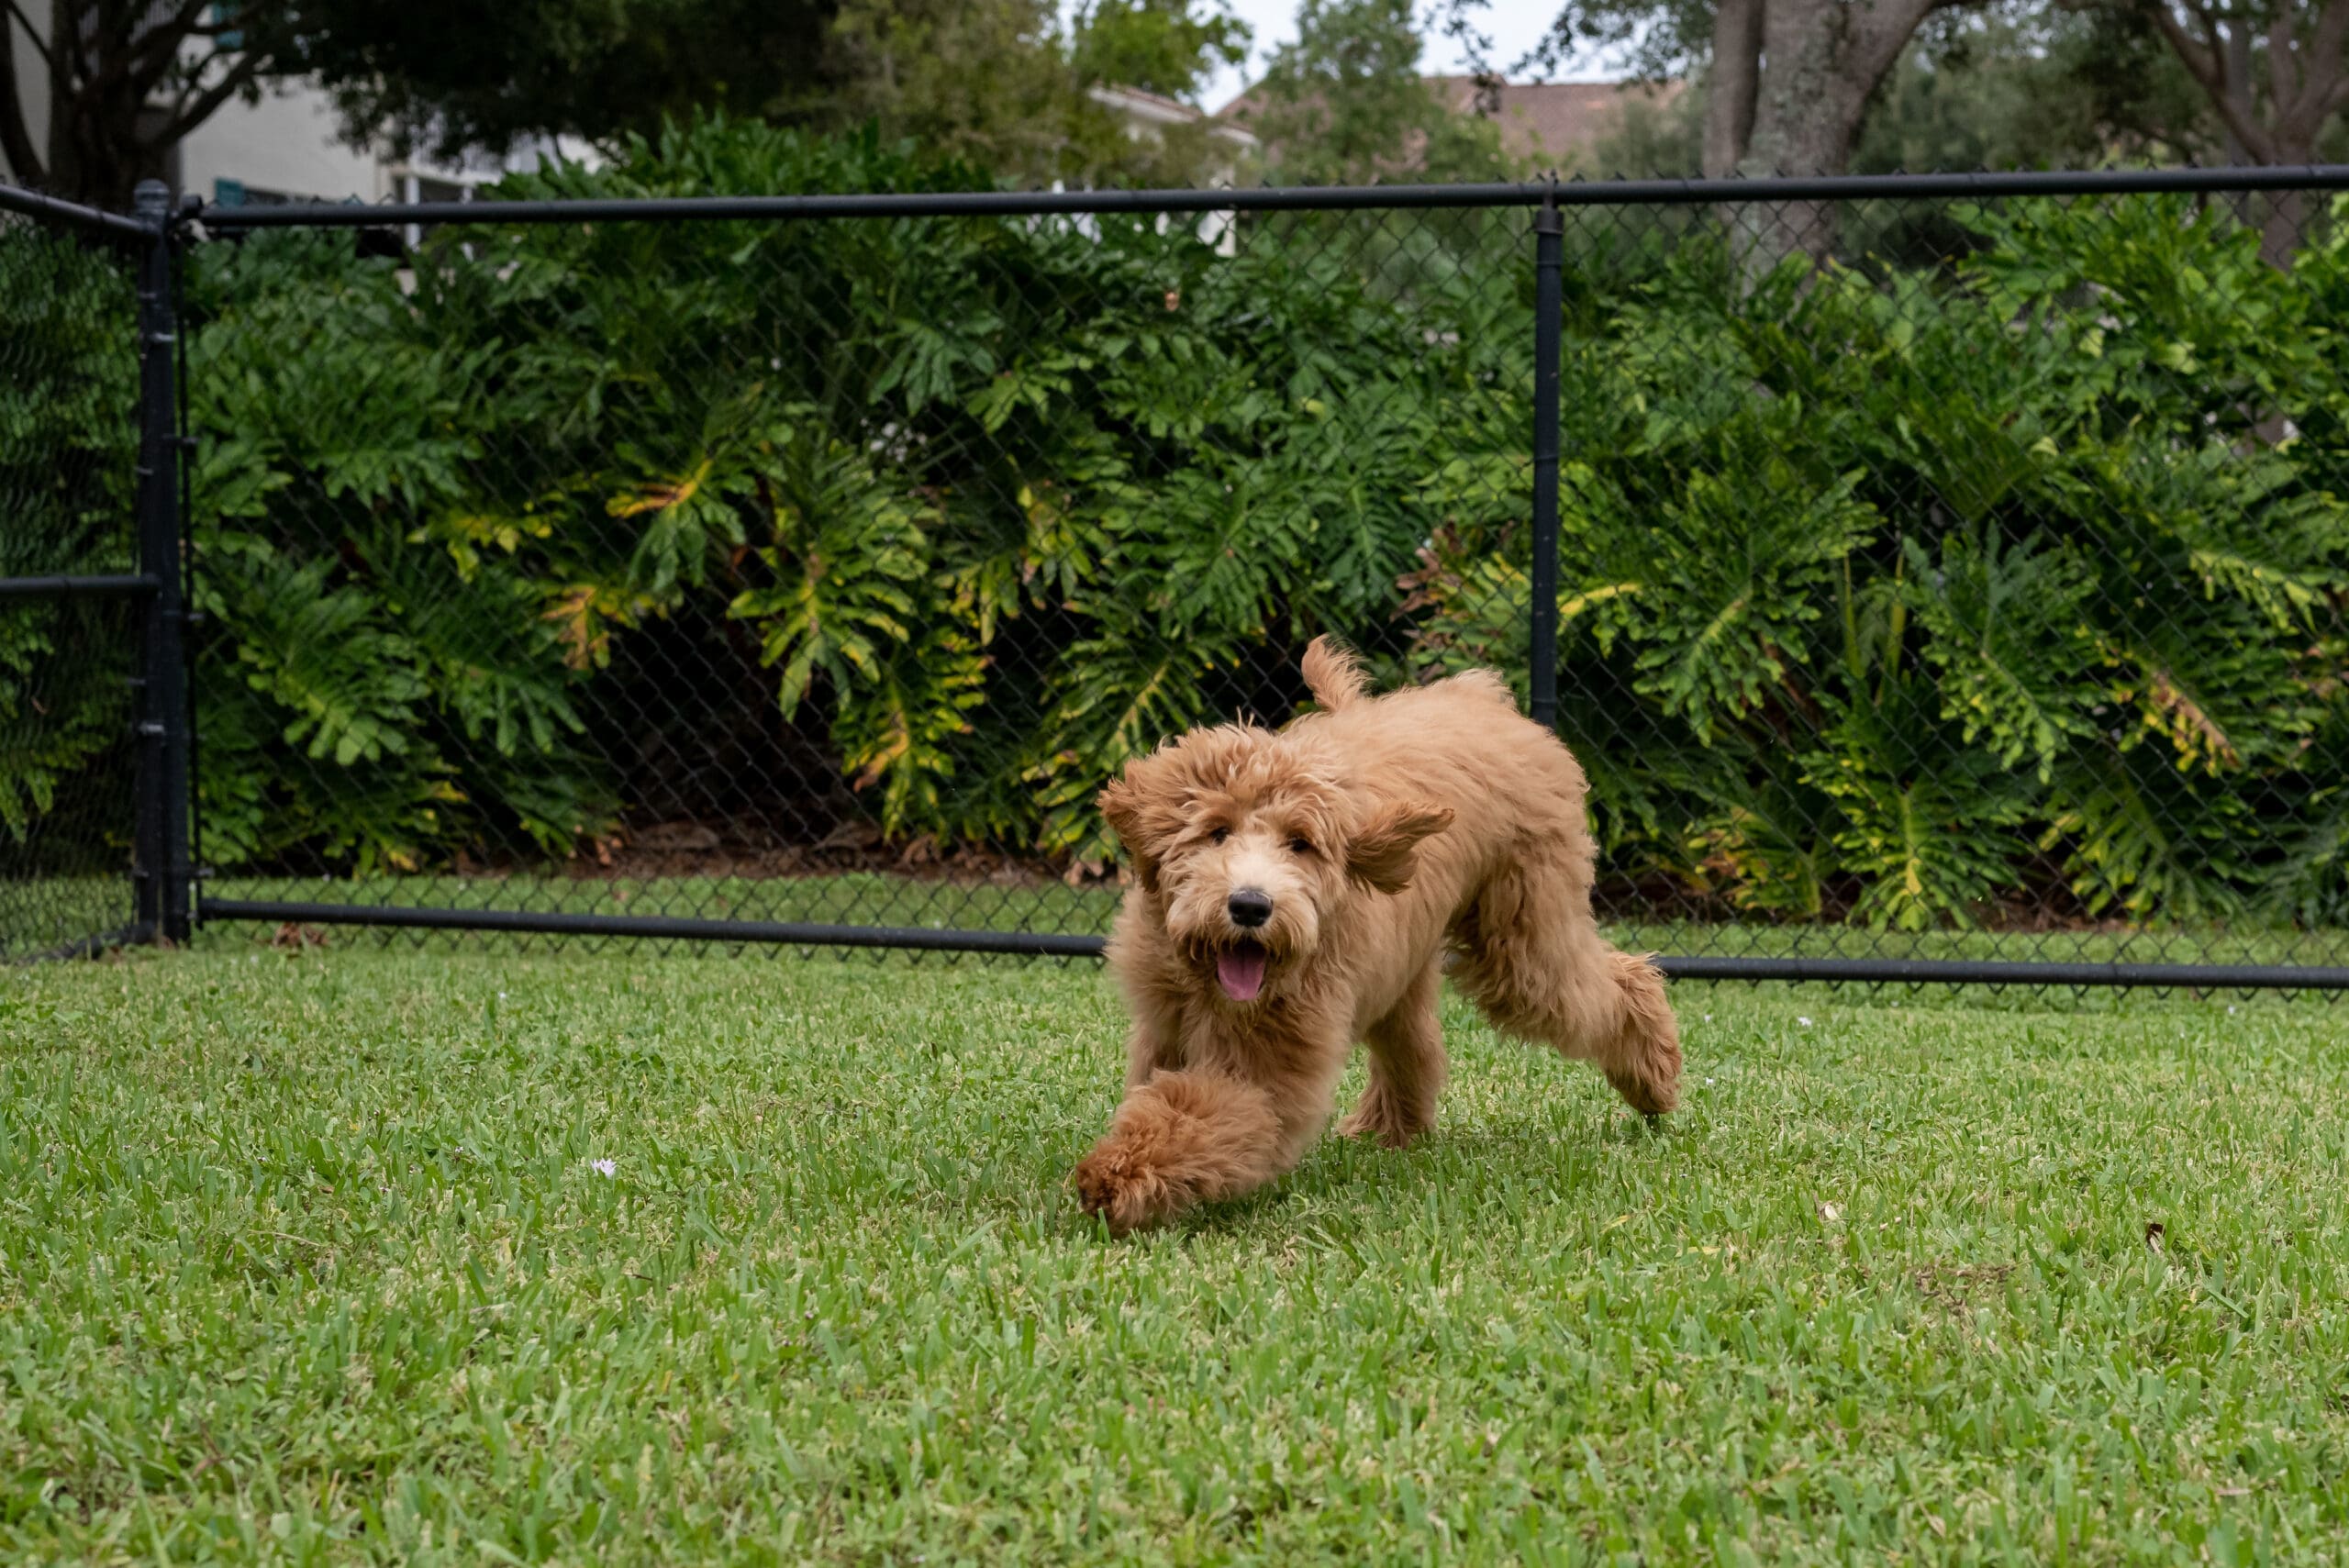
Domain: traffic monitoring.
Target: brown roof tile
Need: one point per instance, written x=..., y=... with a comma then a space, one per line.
x=1555, y=123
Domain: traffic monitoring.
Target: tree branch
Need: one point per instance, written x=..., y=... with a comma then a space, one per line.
x=2203, y=63
x=193, y=82
x=142, y=61
x=2207, y=60
x=2325, y=46
x=156, y=50
x=166, y=36
x=1884, y=30
x=1897, y=24
x=65, y=35
x=2316, y=77
x=32, y=35
x=185, y=116
x=2284, y=73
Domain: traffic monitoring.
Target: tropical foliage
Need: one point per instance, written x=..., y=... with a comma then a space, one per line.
x=1902, y=593
x=1889, y=592
x=985, y=506
x=68, y=376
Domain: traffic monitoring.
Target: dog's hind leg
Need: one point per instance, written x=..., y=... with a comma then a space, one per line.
x=1533, y=962
x=1645, y=1066
x=1406, y=1068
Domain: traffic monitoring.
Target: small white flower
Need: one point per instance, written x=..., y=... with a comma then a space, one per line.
x=1708, y=1080
x=606, y=1167
x=1804, y=1022
x=2231, y=1012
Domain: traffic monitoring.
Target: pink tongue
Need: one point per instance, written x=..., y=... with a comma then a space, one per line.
x=1241, y=972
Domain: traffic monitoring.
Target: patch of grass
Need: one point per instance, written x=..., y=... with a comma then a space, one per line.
x=860, y=898
x=310, y=1258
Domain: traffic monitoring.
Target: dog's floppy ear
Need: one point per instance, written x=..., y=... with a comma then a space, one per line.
x=1143, y=810
x=1383, y=850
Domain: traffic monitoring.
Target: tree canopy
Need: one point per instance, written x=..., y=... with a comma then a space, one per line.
x=1345, y=102
x=1003, y=81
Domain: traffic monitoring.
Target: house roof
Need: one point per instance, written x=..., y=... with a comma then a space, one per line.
x=1141, y=108
x=1554, y=119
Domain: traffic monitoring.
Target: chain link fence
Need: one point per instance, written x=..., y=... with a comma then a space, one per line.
x=1959, y=578
x=1938, y=578
x=805, y=580
x=69, y=621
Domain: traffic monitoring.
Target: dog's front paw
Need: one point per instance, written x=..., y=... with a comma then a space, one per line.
x=1381, y=1116
x=1111, y=1184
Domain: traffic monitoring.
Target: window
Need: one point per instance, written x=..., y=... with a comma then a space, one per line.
x=236, y=193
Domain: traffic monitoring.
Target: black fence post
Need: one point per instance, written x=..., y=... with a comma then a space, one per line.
x=162, y=859
x=1549, y=261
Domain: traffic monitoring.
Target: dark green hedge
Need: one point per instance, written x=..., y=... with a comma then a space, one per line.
x=1893, y=590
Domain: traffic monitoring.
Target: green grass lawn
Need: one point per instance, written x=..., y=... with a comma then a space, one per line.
x=310, y=1258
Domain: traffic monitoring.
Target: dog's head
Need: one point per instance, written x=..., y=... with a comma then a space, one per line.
x=1249, y=842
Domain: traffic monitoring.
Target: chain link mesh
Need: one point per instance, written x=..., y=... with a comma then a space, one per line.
x=1937, y=578
x=69, y=387
x=1974, y=594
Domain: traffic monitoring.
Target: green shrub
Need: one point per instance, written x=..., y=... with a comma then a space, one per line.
x=68, y=389
x=1900, y=595
x=1886, y=593
x=985, y=506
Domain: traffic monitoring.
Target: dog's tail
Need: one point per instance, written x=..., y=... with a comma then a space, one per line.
x=1332, y=674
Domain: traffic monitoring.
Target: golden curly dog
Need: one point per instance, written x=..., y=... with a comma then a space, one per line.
x=1296, y=890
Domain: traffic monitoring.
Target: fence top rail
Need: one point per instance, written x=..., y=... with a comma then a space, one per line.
x=32, y=204
x=917, y=204
x=87, y=586
x=1284, y=198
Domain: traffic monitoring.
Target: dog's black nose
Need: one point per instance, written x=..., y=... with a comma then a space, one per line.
x=1250, y=907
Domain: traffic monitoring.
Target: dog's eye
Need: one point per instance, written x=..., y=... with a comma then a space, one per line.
x=1218, y=836
x=1301, y=845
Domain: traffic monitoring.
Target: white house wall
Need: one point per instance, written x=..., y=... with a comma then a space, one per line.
x=32, y=80
x=290, y=143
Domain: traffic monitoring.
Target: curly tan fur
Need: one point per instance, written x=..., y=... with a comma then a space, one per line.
x=1367, y=839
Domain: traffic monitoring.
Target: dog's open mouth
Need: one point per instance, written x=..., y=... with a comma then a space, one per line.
x=1240, y=969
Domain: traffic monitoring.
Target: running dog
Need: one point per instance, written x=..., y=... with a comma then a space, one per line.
x=1296, y=890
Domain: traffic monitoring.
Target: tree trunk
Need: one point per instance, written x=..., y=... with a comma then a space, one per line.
x=2308, y=85
x=2237, y=65
x=1806, y=116
x=2279, y=233
x=95, y=153
x=1823, y=60
x=110, y=75
x=1730, y=85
